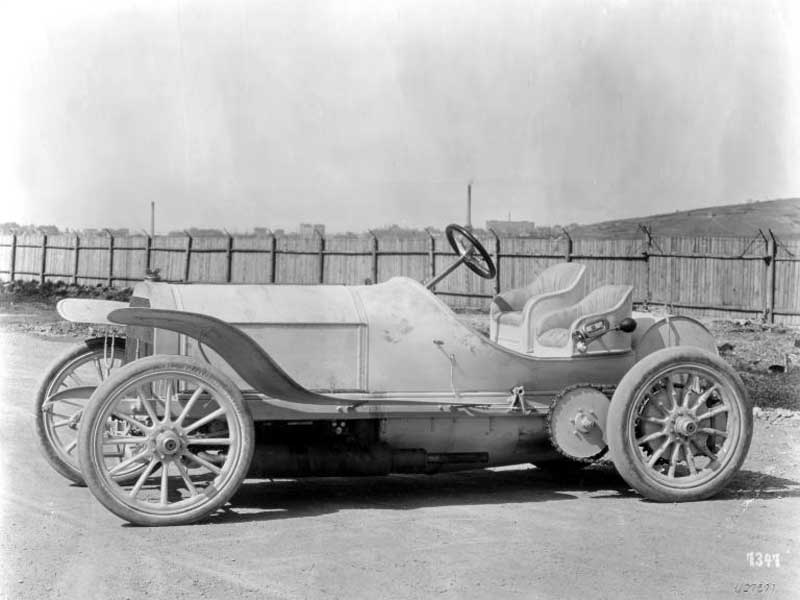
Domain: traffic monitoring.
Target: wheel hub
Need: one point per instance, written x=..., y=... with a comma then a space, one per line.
x=584, y=421
x=685, y=425
x=168, y=443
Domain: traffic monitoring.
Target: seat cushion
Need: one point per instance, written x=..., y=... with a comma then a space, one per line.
x=554, y=338
x=513, y=317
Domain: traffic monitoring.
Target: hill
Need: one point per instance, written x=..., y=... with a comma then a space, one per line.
x=781, y=216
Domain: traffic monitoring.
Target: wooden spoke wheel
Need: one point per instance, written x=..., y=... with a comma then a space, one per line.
x=62, y=396
x=679, y=425
x=192, y=434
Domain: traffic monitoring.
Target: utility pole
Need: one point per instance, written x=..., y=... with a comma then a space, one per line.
x=469, y=205
x=152, y=218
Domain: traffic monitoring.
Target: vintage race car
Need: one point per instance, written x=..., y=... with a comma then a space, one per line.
x=221, y=382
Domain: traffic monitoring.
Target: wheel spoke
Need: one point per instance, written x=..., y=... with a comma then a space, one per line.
x=122, y=441
x=71, y=446
x=99, y=369
x=76, y=378
x=186, y=478
x=147, y=406
x=143, y=477
x=167, y=401
x=164, y=484
x=209, y=441
x=133, y=422
x=651, y=437
x=673, y=460
x=202, y=462
x=707, y=453
x=712, y=413
x=703, y=398
x=208, y=418
x=129, y=461
x=693, y=387
x=658, y=453
x=62, y=424
x=687, y=452
x=52, y=400
x=712, y=431
x=670, y=393
x=655, y=420
x=186, y=409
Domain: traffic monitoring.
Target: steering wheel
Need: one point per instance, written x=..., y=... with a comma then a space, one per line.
x=479, y=263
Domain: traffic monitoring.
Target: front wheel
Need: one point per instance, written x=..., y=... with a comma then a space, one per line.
x=192, y=433
x=679, y=425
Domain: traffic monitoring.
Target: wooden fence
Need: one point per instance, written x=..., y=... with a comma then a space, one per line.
x=756, y=277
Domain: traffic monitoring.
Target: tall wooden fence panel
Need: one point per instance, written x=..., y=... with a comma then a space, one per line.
x=787, y=281
x=252, y=259
x=755, y=277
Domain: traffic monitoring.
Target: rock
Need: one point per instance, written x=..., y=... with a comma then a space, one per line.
x=725, y=347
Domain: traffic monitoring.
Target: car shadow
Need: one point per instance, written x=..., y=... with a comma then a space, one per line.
x=759, y=486
x=264, y=500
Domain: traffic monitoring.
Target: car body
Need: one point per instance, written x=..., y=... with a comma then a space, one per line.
x=227, y=381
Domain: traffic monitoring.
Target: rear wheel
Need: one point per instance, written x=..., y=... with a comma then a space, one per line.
x=62, y=395
x=192, y=433
x=679, y=425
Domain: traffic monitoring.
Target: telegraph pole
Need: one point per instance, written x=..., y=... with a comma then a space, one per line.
x=152, y=218
x=469, y=205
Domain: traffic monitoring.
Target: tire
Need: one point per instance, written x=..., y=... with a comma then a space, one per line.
x=679, y=425
x=56, y=421
x=191, y=483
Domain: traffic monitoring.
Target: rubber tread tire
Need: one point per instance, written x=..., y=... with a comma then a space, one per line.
x=99, y=486
x=630, y=468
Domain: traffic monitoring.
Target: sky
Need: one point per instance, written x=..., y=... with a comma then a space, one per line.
x=360, y=114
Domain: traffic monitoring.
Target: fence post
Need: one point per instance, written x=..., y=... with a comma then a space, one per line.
x=110, y=276
x=772, y=253
x=431, y=255
x=496, y=261
x=568, y=251
x=76, y=259
x=374, y=256
x=188, y=256
x=229, y=258
x=44, y=259
x=13, y=255
x=646, y=253
x=321, y=254
x=273, y=262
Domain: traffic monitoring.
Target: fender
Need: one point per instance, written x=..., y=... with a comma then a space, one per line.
x=238, y=349
x=675, y=330
x=88, y=310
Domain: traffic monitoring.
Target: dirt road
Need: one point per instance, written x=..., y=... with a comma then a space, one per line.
x=511, y=533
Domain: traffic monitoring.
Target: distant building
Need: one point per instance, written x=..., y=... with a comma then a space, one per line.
x=512, y=227
x=201, y=232
x=307, y=229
